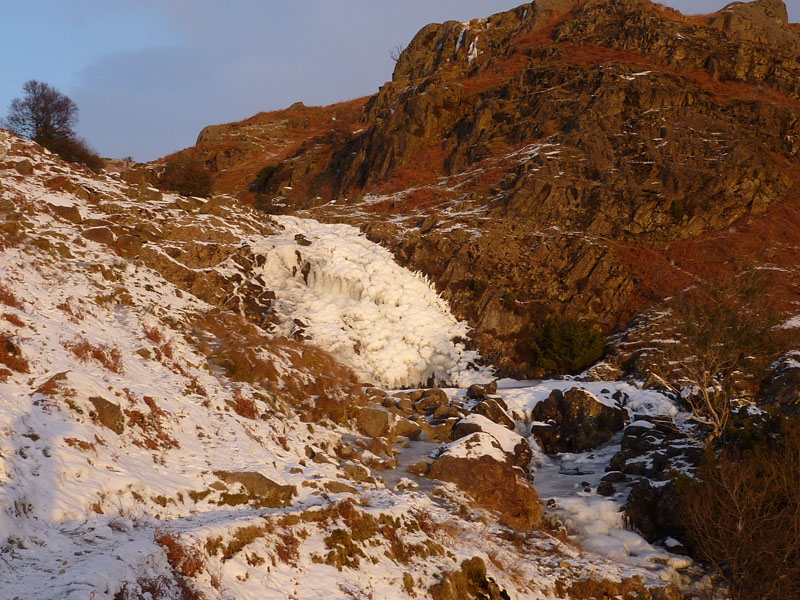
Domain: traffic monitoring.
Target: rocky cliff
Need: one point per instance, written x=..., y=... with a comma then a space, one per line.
x=570, y=159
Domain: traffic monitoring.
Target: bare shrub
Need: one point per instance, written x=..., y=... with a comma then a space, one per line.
x=744, y=516
x=728, y=337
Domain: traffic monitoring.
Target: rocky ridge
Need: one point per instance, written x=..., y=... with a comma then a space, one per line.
x=570, y=159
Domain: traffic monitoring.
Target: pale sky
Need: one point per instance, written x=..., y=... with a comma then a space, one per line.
x=148, y=75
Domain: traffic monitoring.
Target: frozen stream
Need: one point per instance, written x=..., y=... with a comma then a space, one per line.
x=593, y=521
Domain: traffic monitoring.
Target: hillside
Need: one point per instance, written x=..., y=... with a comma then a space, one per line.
x=171, y=427
x=566, y=159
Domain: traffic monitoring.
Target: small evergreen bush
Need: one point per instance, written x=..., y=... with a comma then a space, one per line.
x=567, y=346
x=186, y=178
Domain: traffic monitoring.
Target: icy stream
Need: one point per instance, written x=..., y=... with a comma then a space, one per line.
x=567, y=482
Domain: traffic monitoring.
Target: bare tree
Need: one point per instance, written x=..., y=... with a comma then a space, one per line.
x=727, y=336
x=48, y=117
x=43, y=115
x=395, y=52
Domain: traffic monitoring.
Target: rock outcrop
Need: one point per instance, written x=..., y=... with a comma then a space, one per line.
x=566, y=159
x=556, y=159
x=479, y=466
x=575, y=421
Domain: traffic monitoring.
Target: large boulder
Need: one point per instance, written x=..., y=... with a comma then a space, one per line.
x=478, y=466
x=654, y=511
x=516, y=448
x=575, y=421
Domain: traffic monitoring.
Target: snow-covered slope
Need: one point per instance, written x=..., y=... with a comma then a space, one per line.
x=160, y=439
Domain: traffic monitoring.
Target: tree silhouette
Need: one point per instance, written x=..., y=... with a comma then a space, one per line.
x=48, y=117
x=43, y=115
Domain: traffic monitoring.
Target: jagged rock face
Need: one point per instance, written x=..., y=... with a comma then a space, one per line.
x=525, y=161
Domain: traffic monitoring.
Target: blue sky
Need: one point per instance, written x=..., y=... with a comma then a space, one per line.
x=147, y=75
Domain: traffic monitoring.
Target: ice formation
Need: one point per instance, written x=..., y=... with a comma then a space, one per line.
x=348, y=296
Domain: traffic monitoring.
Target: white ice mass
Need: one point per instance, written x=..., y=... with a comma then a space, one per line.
x=351, y=298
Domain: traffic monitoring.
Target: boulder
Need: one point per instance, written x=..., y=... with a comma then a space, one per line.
x=575, y=421
x=479, y=391
x=476, y=392
x=446, y=411
x=467, y=583
x=653, y=510
x=101, y=235
x=405, y=428
x=260, y=490
x=432, y=399
x=108, y=414
x=24, y=167
x=69, y=213
x=374, y=421
x=494, y=411
x=516, y=448
x=478, y=466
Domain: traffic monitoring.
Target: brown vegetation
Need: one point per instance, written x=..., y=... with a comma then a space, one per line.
x=108, y=356
x=316, y=384
x=244, y=406
x=150, y=424
x=187, y=178
x=11, y=357
x=744, y=516
x=186, y=559
x=7, y=297
x=13, y=319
